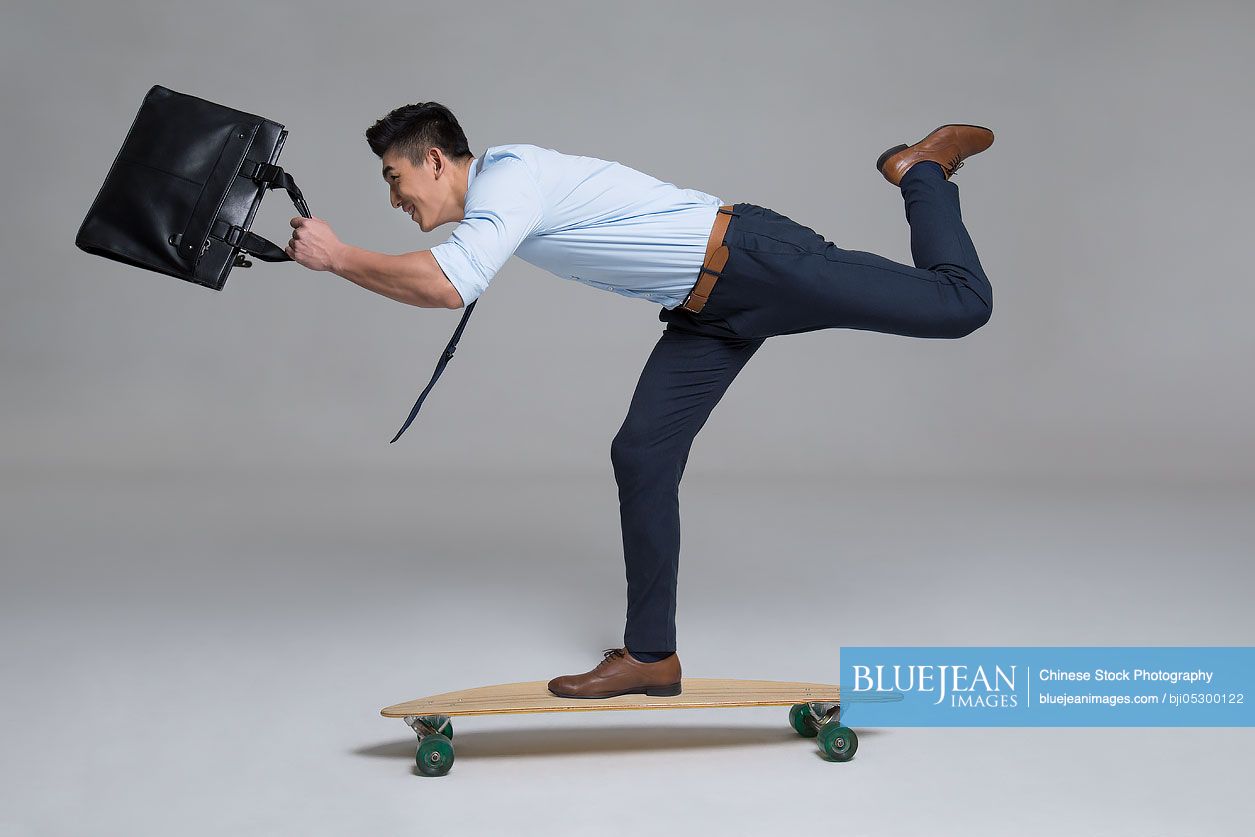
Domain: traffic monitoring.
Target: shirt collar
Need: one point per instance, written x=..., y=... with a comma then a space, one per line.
x=470, y=175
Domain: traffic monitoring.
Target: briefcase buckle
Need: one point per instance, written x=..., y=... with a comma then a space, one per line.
x=233, y=235
x=266, y=173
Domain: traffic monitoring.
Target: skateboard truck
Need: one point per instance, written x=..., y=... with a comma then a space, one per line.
x=426, y=725
x=825, y=713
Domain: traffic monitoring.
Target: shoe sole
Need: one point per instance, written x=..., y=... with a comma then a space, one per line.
x=880, y=161
x=648, y=691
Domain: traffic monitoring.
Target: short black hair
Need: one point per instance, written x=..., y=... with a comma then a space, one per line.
x=415, y=129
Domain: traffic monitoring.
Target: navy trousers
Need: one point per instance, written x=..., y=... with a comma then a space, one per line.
x=780, y=278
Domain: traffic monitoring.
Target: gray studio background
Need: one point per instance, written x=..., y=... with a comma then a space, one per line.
x=216, y=568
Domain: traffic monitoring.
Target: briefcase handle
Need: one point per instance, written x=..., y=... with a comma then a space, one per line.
x=272, y=177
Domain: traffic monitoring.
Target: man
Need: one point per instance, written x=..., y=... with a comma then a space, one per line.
x=727, y=277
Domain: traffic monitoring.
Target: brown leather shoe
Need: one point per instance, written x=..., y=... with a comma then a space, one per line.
x=947, y=146
x=619, y=673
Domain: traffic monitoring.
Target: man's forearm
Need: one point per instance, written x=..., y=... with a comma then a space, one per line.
x=406, y=278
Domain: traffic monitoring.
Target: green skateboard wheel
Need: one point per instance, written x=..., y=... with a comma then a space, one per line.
x=803, y=720
x=837, y=742
x=435, y=755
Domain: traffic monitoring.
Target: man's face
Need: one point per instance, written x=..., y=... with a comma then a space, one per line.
x=412, y=188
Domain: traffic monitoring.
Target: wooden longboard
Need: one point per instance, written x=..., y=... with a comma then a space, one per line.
x=815, y=710
x=695, y=693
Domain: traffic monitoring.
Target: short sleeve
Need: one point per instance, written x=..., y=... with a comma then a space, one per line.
x=503, y=207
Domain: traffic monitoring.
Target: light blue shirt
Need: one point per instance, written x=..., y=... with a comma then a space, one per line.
x=580, y=218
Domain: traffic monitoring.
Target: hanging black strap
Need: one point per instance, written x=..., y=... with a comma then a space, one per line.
x=444, y=361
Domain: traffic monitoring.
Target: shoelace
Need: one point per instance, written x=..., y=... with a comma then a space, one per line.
x=609, y=654
x=955, y=164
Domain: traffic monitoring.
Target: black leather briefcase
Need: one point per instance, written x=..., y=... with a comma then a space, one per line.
x=182, y=192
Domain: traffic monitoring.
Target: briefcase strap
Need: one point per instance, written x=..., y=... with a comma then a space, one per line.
x=251, y=243
x=444, y=361
x=274, y=177
x=236, y=237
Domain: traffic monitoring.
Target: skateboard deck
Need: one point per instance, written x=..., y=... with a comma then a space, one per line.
x=815, y=710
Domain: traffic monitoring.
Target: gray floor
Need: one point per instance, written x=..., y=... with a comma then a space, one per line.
x=206, y=653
